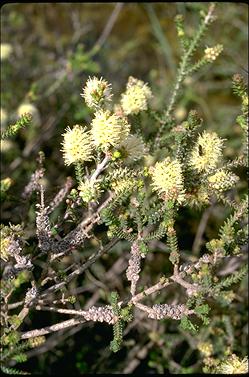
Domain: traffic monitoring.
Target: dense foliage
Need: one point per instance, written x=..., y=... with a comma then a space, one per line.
x=124, y=208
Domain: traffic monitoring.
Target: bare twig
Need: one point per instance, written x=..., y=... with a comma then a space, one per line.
x=53, y=328
x=108, y=27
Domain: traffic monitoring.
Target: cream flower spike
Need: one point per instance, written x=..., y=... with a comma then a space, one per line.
x=167, y=179
x=77, y=145
x=135, y=99
x=96, y=92
x=109, y=130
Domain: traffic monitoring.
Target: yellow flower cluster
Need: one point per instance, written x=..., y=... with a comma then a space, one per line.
x=4, y=248
x=234, y=365
x=207, y=152
x=37, y=341
x=212, y=53
x=205, y=348
x=136, y=96
x=167, y=179
x=109, y=130
x=222, y=180
x=77, y=145
x=96, y=92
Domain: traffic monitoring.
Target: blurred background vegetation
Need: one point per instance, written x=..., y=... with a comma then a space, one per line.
x=47, y=53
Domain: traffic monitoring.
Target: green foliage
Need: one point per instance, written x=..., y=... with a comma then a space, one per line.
x=235, y=278
x=8, y=370
x=81, y=61
x=187, y=325
x=13, y=129
x=118, y=325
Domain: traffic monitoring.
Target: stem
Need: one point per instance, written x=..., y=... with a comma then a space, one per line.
x=183, y=71
x=60, y=310
x=49, y=329
x=100, y=167
x=157, y=287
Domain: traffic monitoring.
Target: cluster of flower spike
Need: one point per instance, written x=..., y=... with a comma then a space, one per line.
x=109, y=132
x=135, y=97
x=109, y=129
x=207, y=152
x=167, y=179
x=222, y=180
x=77, y=145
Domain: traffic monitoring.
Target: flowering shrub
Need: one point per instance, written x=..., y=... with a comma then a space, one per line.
x=130, y=190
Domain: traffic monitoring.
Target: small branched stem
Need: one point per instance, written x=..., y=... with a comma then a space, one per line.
x=163, y=282
x=178, y=279
x=100, y=167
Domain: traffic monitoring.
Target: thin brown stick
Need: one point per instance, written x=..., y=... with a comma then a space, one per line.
x=53, y=328
x=109, y=26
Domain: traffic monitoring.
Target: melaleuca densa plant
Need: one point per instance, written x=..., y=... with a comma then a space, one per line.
x=135, y=185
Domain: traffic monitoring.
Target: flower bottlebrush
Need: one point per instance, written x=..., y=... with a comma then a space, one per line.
x=222, y=180
x=96, y=92
x=77, y=145
x=132, y=148
x=233, y=365
x=108, y=130
x=212, y=53
x=205, y=348
x=4, y=244
x=136, y=96
x=207, y=152
x=168, y=180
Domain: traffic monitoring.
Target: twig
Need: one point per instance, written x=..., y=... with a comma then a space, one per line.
x=102, y=166
x=53, y=328
x=108, y=27
x=182, y=72
x=155, y=288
